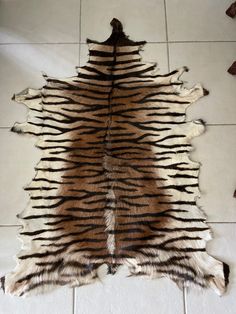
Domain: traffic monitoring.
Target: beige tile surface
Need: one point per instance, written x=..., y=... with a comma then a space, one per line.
x=57, y=302
x=21, y=66
x=129, y=295
x=222, y=247
x=208, y=64
x=156, y=53
x=9, y=246
x=216, y=150
x=17, y=159
x=142, y=20
x=27, y=21
x=199, y=20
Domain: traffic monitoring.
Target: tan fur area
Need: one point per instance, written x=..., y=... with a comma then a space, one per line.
x=115, y=184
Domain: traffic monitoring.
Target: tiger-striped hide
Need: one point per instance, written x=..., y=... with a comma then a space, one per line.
x=115, y=184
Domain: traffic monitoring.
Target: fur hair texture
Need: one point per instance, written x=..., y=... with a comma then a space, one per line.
x=115, y=184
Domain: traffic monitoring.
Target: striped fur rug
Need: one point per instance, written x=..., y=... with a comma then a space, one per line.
x=115, y=184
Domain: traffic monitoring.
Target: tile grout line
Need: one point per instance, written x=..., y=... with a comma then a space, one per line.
x=80, y=25
x=185, y=300
x=200, y=41
x=73, y=300
x=42, y=43
x=79, y=32
x=221, y=124
x=9, y=225
x=167, y=43
x=221, y=222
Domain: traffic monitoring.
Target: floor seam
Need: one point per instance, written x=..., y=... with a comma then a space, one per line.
x=73, y=300
x=9, y=225
x=167, y=39
x=220, y=124
x=200, y=41
x=185, y=300
x=221, y=222
x=41, y=43
x=80, y=25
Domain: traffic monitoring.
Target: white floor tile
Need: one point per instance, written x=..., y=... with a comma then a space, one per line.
x=156, y=53
x=21, y=66
x=119, y=294
x=190, y=20
x=57, y=302
x=150, y=53
x=222, y=247
x=216, y=150
x=208, y=64
x=9, y=247
x=39, y=21
x=17, y=161
x=142, y=20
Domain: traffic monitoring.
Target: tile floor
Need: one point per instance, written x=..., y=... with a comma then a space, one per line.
x=49, y=36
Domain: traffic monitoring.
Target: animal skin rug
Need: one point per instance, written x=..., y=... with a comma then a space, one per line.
x=115, y=184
